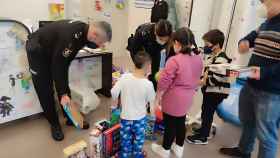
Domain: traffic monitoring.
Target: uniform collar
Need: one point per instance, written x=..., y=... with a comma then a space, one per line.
x=86, y=29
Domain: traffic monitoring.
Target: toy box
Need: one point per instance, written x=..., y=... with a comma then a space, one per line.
x=111, y=141
x=77, y=150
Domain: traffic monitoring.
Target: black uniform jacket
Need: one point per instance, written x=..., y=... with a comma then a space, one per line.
x=54, y=46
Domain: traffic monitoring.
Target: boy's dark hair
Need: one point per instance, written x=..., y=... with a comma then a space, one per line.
x=215, y=37
x=141, y=58
x=186, y=38
x=163, y=28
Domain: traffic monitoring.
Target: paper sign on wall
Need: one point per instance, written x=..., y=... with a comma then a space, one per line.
x=146, y=4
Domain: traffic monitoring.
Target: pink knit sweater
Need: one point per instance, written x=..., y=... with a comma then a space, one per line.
x=179, y=80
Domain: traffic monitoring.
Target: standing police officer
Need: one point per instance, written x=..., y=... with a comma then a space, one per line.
x=50, y=51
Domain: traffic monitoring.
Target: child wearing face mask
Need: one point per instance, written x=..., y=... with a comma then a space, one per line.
x=215, y=86
x=176, y=88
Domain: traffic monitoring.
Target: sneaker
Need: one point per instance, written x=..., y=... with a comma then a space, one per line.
x=234, y=152
x=159, y=150
x=196, y=130
x=57, y=133
x=177, y=150
x=85, y=124
x=197, y=140
x=213, y=131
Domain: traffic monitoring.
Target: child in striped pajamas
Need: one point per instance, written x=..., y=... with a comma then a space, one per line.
x=136, y=92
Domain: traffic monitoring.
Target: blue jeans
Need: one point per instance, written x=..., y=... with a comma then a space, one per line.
x=132, y=138
x=259, y=113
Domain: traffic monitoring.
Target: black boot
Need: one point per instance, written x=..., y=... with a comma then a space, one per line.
x=57, y=133
x=85, y=124
x=236, y=152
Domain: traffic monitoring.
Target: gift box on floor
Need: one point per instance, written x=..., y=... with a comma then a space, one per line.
x=111, y=141
x=150, y=128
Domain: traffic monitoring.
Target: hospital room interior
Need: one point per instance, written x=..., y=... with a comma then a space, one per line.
x=139, y=78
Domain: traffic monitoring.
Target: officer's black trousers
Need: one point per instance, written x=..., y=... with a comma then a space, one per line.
x=40, y=69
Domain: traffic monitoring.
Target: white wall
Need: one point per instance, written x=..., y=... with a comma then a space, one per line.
x=25, y=10
x=201, y=18
x=136, y=16
x=245, y=21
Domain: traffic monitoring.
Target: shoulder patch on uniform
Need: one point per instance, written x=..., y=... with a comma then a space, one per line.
x=72, y=21
x=67, y=52
x=78, y=35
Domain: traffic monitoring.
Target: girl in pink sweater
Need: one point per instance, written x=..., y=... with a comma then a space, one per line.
x=176, y=88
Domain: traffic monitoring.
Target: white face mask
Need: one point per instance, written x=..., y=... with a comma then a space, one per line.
x=160, y=42
x=262, y=11
x=176, y=50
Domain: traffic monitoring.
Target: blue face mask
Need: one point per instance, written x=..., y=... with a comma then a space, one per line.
x=207, y=50
x=91, y=45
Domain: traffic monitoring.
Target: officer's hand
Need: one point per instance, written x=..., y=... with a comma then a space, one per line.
x=65, y=100
x=256, y=73
x=244, y=47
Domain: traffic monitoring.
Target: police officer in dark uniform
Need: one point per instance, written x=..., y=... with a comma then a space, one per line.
x=153, y=38
x=50, y=51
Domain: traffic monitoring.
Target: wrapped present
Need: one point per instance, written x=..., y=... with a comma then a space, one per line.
x=149, y=129
x=77, y=150
x=115, y=115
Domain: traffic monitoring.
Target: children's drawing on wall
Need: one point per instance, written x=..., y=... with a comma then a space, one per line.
x=5, y=106
x=56, y=11
x=120, y=4
x=23, y=79
x=17, y=95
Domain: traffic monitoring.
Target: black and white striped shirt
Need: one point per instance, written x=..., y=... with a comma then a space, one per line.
x=217, y=83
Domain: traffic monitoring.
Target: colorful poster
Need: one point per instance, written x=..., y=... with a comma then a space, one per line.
x=56, y=11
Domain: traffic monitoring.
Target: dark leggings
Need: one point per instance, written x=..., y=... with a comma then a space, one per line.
x=175, y=128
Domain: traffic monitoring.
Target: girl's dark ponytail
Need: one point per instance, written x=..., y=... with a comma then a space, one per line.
x=186, y=38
